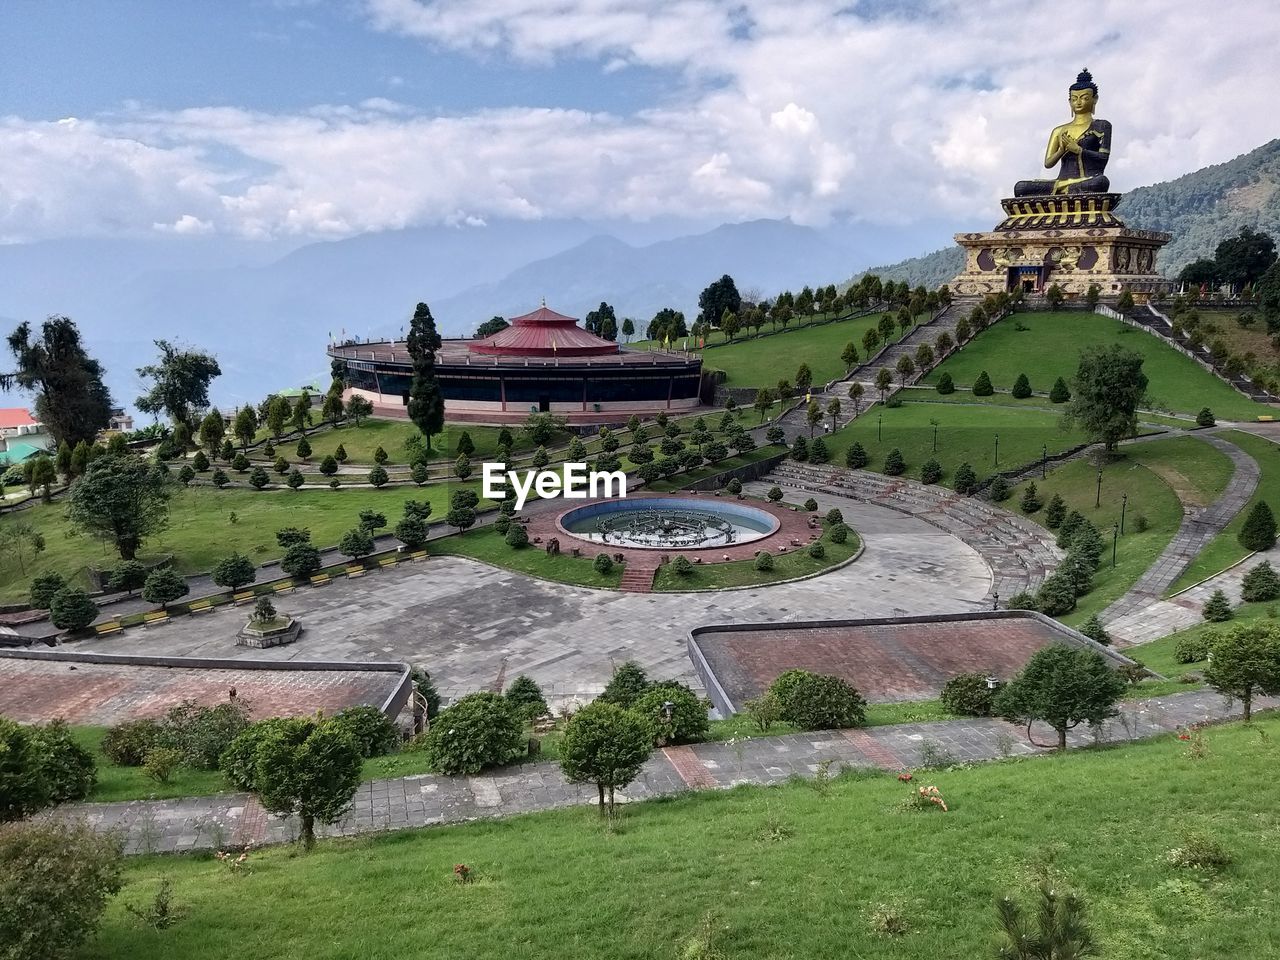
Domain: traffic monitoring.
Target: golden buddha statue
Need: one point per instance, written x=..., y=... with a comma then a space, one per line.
x=1082, y=145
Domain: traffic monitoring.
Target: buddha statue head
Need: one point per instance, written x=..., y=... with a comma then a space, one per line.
x=1083, y=95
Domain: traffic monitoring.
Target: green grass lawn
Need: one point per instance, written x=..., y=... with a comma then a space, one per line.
x=762, y=363
x=965, y=433
x=487, y=546
x=1147, y=473
x=742, y=573
x=201, y=532
x=776, y=873
x=1050, y=348
x=1224, y=549
x=361, y=441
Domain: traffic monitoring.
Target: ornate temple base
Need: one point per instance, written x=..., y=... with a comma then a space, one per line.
x=1073, y=241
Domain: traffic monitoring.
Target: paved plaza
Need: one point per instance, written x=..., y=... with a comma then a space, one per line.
x=475, y=627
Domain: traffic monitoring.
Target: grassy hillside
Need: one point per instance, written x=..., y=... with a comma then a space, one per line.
x=1050, y=347
x=762, y=363
x=739, y=864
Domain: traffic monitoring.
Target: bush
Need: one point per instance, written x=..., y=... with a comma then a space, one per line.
x=626, y=686
x=480, y=730
x=44, y=588
x=378, y=476
x=201, y=734
x=998, y=491
x=67, y=769
x=603, y=564
x=945, y=384
x=1217, y=609
x=517, y=536
x=1259, y=530
x=1021, y=387
x=931, y=472
x=968, y=695
x=764, y=561
x=894, y=465
x=1261, y=584
x=127, y=744
x=681, y=566
x=300, y=560
x=258, y=478
x=1059, y=393
x=161, y=762
x=800, y=449
x=1068, y=527
x=22, y=786
x=1022, y=600
x=982, y=386
x=164, y=586
x=526, y=696
x=774, y=494
x=688, y=720
x=72, y=609
x=1095, y=631
x=239, y=760
x=834, y=516
x=234, y=572
x=856, y=457
x=965, y=479
x=839, y=533
x=1056, y=596
x=1055, y=512
x=1031, y=501
x=1205, y=418
x=1193, y=648
x=55, y=878
x=811, y=505
x=200, y=462
x=814, y=701
x=1199, y=852
x=372, y=730
x=816, y=550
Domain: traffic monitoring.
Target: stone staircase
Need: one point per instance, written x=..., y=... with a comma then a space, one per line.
x=1020, y=553
x=637, y=575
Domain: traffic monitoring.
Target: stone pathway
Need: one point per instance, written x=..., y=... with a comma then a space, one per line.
x=217, y=822
x=1128, y=618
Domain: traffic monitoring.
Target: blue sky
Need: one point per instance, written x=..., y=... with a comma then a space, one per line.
x=293, y=120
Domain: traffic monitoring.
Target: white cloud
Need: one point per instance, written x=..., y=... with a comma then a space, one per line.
x=804, y=110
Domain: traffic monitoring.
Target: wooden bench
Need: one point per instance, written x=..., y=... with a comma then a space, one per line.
x=284, y=586
x=151, y=619
x=111, y=626
x=1265, y=418
x=390, y=561
x=200, y=606
x=418, y=555
x=320, y=579
x=240, y=599
x=355, y=572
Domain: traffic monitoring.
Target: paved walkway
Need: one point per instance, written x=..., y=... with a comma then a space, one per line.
x=1130, y=619
x=227, y=820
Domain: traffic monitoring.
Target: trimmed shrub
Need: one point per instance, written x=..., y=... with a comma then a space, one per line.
x=1068, y=527
x=982, y=386
x=1087, y=542
x=1217, y=609
x=931, y=472
x=998, y=491
x=45, y=587
x=378, y=476
x=817, y=551
x=128, y=576
x=774, y=494
x=1055, y=512
x=626, y=685
x=681, y=566
x=834, y=516
x=127, y=744
x=1078, y=571
x=1060, y=393
x=164, y=586
x=526, y=696
x=856, y=457
x=234, y=572
x=517, y=536
x=200, y=462
x=480, y=730
x=603, y=564
x=71, y=609
x=688, y=720
x=800, y=449
x=968, y=695
x=1031, y=501
x=1056, y=596
x=818, y=452
x=55, y=878
x=258, y=478
x=67, y=769
x=371, y=729
x=1193, y=648
x=945, y=384
x=811, y=505
x=764, y=561
x=1205, y=418
x=894, y=464
x=814, y=701
x=1022, y=600
x=839, y=533
x=734, y=486
x=1021, y=387
x=1095, y=631
x=965, y=479
x=1261, y=584
x=1259, y=530
x=301, y=560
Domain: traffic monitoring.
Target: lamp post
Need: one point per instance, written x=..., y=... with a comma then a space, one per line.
x=995, y=460
x=1124, y=502
x=1097, y=500
x=1115, y=536
x=879, y=425
x=1044, y=462
x=935, y=435
x=995, y=600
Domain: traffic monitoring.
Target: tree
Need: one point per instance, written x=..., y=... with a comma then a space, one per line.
x=625, y=687
x=333, y=408
x=426, y=403
x=813, y=414
x=44, y=588
x=122, y=499
x=605, y=745
x=128, y=576
x=460, y=517
x=906, y=367
x=1060, y=930
x=1259, y=529
x=43, y=476
x=356, y=543
x=1109, y=386
x=1062, y=686
x=1244, y=258
x=527, y=696
x=894, y=463
x=1059, y=393
x=804, y=378
x=490, y=327
x=300, y=413
x=763, y=401
x=849, y=356
x=72, y=610
x=628, y=328
x=1021, y=387
x=212, y=429
x=833, y=411
x=412, y=532
x=593, y=322
x=1217, y=609
x=378, y=476
x=884, y=380
x=982, y=386
x=181, y=382
x=870, y=341
x=55, y=879
x=300, y=560
x=1261, y=584
x=358, y=408
x=234, y=572
x=1245, y=662
x=729, y=324
x=163, y=586
x=856, y=390
x=924, y=356
x=855, y=458
x=718, y=297
x=480, y=730
x=71, y=399
x=307, y=769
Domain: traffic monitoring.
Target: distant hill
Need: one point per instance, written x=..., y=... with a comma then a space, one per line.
x=1200, y=209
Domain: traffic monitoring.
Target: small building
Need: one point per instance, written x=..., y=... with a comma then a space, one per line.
x=22, y=436
x=120, y=422
x=542, y=362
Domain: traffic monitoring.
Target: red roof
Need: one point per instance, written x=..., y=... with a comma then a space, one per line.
x=544, y=333
x=15, y=417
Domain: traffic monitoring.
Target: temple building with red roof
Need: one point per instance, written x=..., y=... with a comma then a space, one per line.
x=542, y=362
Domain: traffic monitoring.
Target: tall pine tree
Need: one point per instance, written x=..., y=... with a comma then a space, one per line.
x=426, y=404
x=71, y=399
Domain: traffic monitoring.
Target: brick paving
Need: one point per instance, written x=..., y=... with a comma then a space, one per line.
x=37, y=691
x=154, y=826
x=885, y=662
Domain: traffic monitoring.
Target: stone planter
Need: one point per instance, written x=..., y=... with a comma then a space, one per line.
x=274, y=634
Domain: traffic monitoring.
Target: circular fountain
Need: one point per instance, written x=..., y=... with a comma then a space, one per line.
x=665, y=523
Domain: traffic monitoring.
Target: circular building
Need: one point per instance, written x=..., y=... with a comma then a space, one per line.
x=542, y=362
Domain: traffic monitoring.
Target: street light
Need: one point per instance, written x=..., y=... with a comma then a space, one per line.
x=1097, y=500
x=996, y=459
x=1124, y=502
x=1115, y=536
x=935, y=435
x=1044, y=462
x=879, y=425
